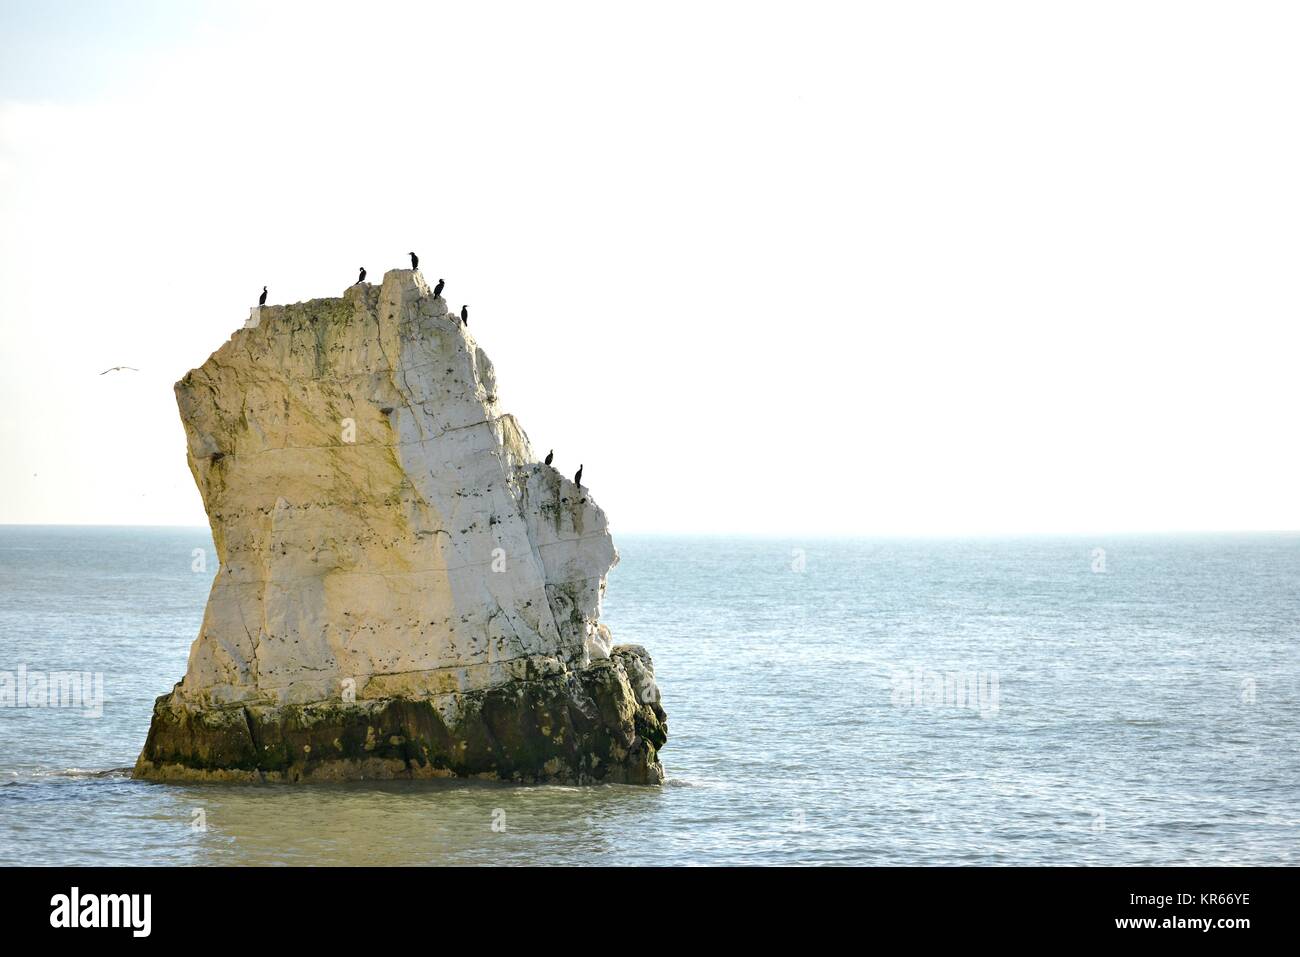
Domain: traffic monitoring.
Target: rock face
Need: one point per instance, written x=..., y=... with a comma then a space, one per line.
x=404, y=589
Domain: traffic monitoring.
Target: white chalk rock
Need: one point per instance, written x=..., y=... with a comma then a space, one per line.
x=382, y=526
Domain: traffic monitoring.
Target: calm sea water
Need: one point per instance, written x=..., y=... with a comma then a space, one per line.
x=1137, y=706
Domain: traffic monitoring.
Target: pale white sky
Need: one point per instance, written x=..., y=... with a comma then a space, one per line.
x=922, y=268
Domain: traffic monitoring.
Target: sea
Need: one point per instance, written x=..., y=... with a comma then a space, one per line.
x=1122, y=700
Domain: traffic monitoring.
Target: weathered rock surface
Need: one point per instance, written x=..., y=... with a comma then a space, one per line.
x=404, y=589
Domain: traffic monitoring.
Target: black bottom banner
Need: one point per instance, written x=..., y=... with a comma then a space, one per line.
x=1175, y=906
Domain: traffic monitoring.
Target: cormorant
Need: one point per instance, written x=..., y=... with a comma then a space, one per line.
x=464, y=314
x=437, y=290
x=550, y=456
x=261, y=300
x=415, y=260
x=577, y=479
x=362, y=277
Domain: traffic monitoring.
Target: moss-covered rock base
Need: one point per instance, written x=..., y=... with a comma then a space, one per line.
x=577, y=727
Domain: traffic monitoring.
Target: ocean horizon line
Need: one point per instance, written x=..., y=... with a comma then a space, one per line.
x=784, y=535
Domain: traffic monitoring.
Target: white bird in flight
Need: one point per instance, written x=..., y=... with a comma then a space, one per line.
x=119, y=369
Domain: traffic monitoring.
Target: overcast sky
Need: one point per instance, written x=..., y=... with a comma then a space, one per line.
x=904, y=268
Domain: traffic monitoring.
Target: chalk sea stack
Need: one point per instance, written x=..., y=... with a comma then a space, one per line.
x=404, y=590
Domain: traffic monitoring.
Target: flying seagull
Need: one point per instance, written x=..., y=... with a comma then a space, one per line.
x=415, y=260
x=437, y=290
x=577, y=479
x=464, y=314
x=362, y=277
x=119, y=369
x=550, y=456
x=261, y=300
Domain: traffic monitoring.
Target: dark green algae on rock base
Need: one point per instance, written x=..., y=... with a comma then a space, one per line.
x=575, y=727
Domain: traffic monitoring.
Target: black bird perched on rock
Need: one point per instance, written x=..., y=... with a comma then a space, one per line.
x=362, y=277
x=577, y=479
x=550, y=456
x=261, y=300
x=437, y=290
x=464, y=314
x=415, y=260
